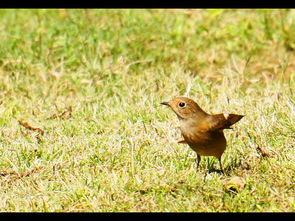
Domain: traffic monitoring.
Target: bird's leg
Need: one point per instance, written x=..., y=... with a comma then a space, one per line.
x=198, y=160
x=219, y=159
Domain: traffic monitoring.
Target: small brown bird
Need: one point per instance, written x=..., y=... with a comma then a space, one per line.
x=201, y=131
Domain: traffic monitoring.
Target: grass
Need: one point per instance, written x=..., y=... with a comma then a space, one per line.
x=116, y=149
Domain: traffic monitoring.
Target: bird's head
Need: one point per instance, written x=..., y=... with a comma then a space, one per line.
x=183, y=107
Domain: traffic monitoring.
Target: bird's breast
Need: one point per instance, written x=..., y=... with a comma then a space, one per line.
x=192, y=132
x=204, y=142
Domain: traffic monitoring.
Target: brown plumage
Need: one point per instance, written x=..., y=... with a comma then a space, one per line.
x=203, y=132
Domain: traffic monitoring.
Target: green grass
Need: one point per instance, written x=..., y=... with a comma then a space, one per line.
x=118, y=150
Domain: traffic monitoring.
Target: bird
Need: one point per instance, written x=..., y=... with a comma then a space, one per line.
x=203, y=132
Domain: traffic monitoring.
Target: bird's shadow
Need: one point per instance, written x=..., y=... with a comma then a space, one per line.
x=234, y=164
x=213, y=170
x=229, y=169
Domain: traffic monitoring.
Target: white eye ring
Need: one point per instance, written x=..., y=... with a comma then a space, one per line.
x=181, y=104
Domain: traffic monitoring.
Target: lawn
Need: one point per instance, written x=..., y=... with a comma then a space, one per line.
x=82, y=128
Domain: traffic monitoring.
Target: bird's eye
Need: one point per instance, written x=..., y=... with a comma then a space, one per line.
x=181, y=104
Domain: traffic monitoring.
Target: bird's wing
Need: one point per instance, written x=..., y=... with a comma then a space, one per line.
x=223, y=121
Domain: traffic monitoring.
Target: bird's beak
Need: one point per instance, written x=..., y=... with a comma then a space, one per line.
x=165, y=103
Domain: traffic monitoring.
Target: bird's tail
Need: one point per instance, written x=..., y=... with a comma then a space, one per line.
x=234, y=118
x=224, y=121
